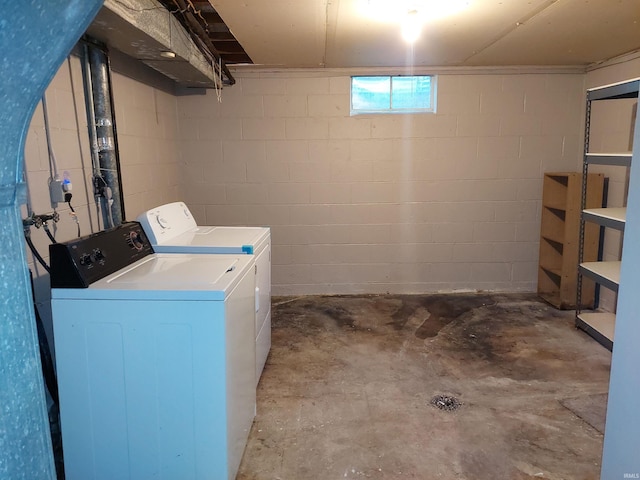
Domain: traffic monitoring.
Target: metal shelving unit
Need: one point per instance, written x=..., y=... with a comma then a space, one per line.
x=604, y=273
x=613, y=217
x=601, y=325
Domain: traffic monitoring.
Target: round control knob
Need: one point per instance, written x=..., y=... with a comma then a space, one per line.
x=98, y=255
x=162, y=221
x=135, y=240
x=85, y=259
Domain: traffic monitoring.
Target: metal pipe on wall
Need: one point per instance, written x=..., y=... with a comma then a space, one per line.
x=91, y=126
x=108, y=180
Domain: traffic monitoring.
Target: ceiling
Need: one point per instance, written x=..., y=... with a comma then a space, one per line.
x=366, y=33
x=201, y=19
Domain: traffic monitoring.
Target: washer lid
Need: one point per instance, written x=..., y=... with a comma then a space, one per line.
x=168, y=277
x=217, y=240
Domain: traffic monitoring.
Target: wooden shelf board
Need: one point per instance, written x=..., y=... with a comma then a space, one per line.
x=551, y=238
x=605, y=273
x=560, y=207
x=609, y=217
x=550, y=297
x=600, y=325
x=554, y=299
x=553, y=270
x=556, y=245
x=560, y=174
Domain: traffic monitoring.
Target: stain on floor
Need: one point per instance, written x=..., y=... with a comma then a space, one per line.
x=348, y=386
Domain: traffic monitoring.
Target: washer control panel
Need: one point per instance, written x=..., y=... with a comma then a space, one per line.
x=80, y=262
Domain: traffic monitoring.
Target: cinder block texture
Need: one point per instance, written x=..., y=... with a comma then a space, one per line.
x=399, y=203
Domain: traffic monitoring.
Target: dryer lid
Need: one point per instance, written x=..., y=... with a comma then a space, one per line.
x=219, y=240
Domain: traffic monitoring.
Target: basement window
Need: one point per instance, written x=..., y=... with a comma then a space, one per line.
x=393, y=94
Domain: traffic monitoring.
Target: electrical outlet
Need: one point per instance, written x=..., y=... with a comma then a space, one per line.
x=66, y=182
x=56, y=191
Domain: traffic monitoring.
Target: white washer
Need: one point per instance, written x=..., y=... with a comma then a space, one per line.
x=156, y=371
x=171, y=228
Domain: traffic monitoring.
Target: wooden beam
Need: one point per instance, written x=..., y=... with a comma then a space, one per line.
x=222, y=37
x=236, y=58
x=229, y=47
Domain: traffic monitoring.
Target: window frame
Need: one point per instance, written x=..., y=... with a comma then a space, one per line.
x=433, y=79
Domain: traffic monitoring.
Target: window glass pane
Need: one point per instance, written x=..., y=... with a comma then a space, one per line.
x=370, y=93
x=411, y=92
x=389, y=94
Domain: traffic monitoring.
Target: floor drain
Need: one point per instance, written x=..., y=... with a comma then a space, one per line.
x=445, y=402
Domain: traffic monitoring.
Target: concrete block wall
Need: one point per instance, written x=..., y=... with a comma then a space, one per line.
x=384, y=203
x=147, y=135
x=148, y=142
x=68, y=129
x=399, y=203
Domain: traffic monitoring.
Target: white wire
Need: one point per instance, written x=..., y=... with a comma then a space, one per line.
x=25, y=180
x=53, y=165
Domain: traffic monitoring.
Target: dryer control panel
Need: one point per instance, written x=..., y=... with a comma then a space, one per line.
x=80, y=262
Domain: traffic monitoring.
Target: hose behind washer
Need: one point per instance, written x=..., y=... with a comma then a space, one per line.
x=35, y=252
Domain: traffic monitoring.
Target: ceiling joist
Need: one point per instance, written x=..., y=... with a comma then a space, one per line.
x=210, y=32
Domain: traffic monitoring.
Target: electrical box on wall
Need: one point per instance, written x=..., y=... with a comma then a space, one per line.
x=56, y=191
x=59, y=188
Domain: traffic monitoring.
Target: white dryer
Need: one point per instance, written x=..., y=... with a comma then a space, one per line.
x=156, y=371
x=171, y=228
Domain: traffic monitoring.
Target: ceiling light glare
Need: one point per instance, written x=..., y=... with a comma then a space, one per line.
x=395, y=11
x=411, y=27
x=436, y=9
x=167, y=54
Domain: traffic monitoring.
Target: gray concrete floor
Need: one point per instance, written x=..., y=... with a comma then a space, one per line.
x=347, y=389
